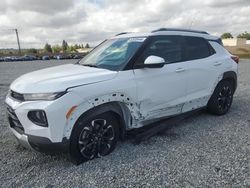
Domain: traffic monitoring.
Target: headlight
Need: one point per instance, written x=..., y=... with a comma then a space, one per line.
x=43, y=96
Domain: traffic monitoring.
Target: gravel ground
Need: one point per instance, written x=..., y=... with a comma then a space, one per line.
x=202, y=151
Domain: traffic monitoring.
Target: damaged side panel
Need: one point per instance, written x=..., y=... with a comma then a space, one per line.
x=128, y=106
x=161, y=92
x=110, y=91
x=133, y=100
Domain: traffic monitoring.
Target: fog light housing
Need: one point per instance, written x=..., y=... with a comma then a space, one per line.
x=38, y=117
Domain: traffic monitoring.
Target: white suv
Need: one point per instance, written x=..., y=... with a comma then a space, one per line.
x=125, y=83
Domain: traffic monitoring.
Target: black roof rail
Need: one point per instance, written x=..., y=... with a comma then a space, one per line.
x=122, y=33
x=175, y=29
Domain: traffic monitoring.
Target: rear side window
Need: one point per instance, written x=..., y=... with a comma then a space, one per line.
x=211, y=49
x=196, y=48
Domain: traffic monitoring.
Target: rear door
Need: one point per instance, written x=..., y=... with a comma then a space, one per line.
x=162, y=91
x=203, y=70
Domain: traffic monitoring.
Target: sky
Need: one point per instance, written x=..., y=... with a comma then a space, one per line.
x=91, y=21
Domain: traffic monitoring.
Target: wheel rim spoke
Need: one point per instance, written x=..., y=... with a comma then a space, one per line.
x=106, y=143
x=103, y=148
x=110, y=138
x=97, y=124
x=84, y=151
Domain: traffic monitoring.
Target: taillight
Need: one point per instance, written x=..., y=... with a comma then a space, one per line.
x=235, y=58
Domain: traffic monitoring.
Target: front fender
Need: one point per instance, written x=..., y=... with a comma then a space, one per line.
x=119, y=103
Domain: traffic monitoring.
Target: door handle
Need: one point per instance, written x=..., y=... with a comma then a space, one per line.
x=217, y=63
x=180, y=70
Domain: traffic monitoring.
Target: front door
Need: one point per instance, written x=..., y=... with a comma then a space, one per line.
x=162, y=91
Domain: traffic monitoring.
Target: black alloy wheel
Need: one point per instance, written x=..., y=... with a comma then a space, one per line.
x=94, y=137
x=225, y=98
x=222, y=98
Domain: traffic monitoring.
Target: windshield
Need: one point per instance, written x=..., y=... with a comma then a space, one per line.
x=112, y=54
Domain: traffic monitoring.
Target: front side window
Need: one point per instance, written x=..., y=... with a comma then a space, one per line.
x=167, y=47
x=113, y=54
x=196, y=48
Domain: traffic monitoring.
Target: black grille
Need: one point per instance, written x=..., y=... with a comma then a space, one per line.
x=16, y=96
x=13, y=120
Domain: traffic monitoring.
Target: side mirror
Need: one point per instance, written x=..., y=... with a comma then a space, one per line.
x=152, y=62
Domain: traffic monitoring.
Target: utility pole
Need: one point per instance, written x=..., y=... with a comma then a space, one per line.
x=18, y=42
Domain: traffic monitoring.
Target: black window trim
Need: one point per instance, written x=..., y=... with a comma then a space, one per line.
x=132, y=62
x=143, y=47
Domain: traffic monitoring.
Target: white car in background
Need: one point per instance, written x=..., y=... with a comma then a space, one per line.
x=125, y=83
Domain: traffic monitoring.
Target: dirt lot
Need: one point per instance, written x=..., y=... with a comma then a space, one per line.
x=202, y=151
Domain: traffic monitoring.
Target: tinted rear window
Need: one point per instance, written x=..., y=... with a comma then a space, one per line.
x=196, y=48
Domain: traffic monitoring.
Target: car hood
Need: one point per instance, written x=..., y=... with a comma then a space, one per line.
x=60, y=78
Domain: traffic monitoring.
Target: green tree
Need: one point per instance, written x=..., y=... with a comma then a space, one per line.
x=226, y=36
x=244, y=35
x=56, y=48
x=32, y=50
x=76, y=46
x=64, y=45
x=87, y=46
x=47, y=48
x=71, y=49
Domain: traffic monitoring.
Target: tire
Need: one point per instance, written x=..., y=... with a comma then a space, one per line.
x=222, y=98
x=93, y=136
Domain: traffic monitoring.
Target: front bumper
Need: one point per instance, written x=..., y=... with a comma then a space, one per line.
x=30, y=135
x=22, y=138
x=55, y=110
x=41, y=144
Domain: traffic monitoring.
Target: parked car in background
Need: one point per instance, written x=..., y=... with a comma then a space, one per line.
x=28, y=58
x=76, y=56
x=59, y=57
x=69, y=56
x=7, y=58
x=45, y=57
x=19, y=58
x=125, y=83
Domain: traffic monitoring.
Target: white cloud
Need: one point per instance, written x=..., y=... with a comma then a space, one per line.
x=41, y=6
x=81, y=21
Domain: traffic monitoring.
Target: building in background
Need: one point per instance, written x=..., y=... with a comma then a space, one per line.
x=238, y=46
x=84, y=50
x=236, y=42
